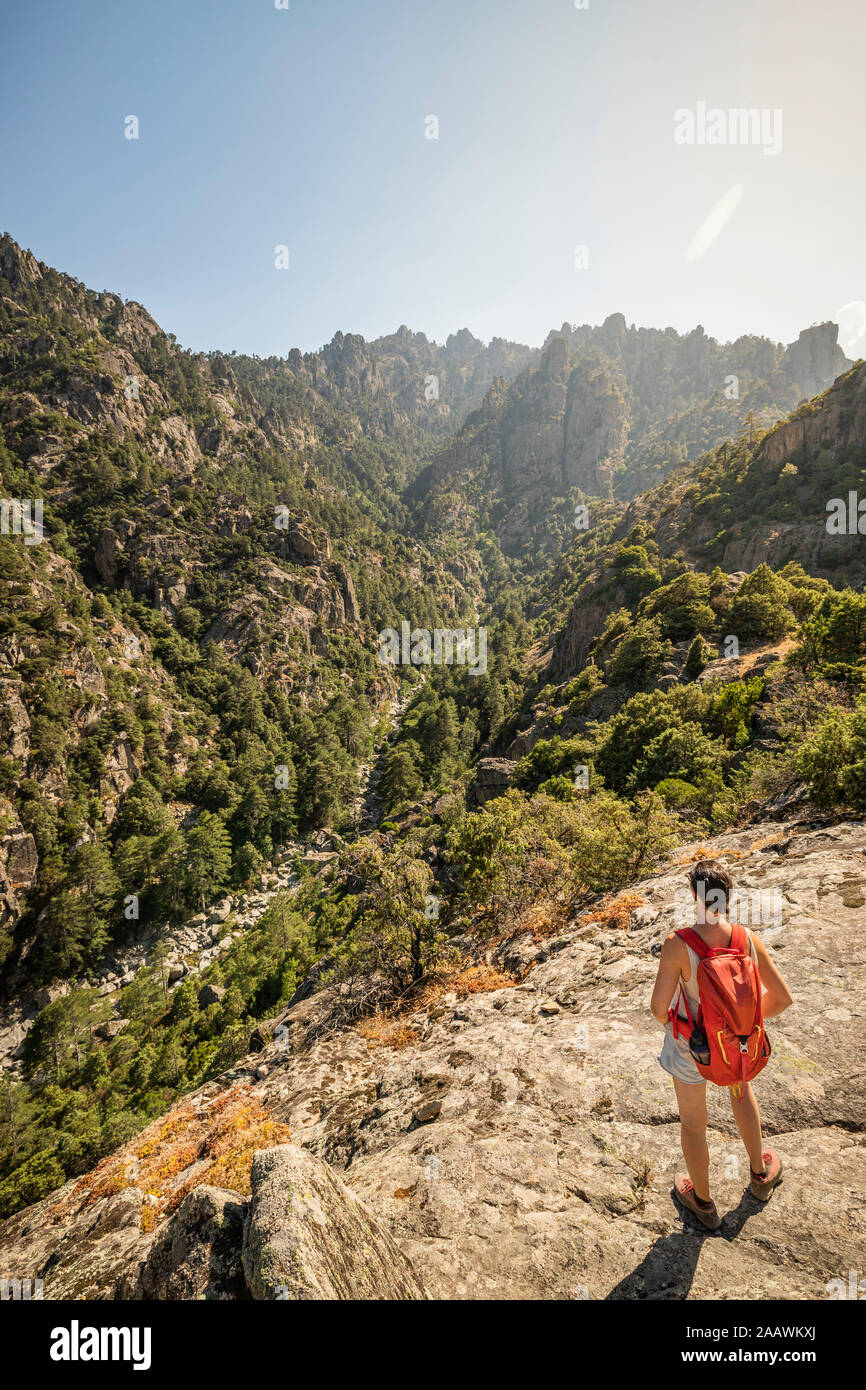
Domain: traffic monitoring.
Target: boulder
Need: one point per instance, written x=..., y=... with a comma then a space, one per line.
x=303, y=549
x=197, y=1254
x=121, y=768
x=308, y=1236
x=210, y=994
x=108, y=1031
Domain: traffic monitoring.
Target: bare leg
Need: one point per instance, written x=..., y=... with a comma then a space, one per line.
x=692, y=1101
x=748, y=1118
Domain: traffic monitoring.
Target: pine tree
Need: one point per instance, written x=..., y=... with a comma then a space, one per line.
x=208, y=858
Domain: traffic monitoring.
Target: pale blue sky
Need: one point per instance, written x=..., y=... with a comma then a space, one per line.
x=306, y=127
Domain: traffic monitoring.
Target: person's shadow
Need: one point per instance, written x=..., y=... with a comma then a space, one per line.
x=667, y=1271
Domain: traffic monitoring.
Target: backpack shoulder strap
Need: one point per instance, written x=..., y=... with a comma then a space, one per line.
x=691, y=938
x=739, y=940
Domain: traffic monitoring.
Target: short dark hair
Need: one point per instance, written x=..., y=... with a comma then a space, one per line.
x=708, y=875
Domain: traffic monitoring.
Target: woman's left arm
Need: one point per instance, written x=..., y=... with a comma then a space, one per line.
x=777, y=996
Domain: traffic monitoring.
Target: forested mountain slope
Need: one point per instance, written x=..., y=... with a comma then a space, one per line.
x=197, y=618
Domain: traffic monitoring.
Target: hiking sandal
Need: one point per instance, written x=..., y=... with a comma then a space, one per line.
x=762, y=1188
x=685, y=1191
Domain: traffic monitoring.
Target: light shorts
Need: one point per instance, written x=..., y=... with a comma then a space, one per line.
x=672, y=1060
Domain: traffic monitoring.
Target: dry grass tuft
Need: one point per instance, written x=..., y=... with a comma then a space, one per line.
x=213, y=1143
x=543, y=919
x=389, y=1028
x=381, y=1031
x=477, y=979
x=614, y=912
x=702, y=852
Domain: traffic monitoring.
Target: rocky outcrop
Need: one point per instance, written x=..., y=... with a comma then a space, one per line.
x=309, y=1237
x=301, y=1235
x=94, y=1252
x=815, y=358
x=492, y=779
x=108, y=555
x=347, y=589
x=835, y=421
x=399, y=368
x=523, y=1142
x=197, y=1255
x=584, y=624
x=296, y=544
x=596, y=429
x=121, y=770
x=18, y=865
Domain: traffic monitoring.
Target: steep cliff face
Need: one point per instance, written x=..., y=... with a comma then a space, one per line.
x=18, y=864
x=836, y=420
x=414, y=379
x=611, y=411
x=519, y=1143
x=815, y=358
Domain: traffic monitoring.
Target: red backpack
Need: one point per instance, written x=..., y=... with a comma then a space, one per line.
x=731, y=1009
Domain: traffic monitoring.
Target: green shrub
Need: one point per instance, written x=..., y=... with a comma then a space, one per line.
x=761, y=607
x=699, y=656
x=682, y=607
x=639, y=655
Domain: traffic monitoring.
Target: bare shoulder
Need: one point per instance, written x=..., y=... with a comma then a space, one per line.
x=760, y=948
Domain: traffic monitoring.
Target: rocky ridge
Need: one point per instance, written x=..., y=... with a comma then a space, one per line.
x=613, y=410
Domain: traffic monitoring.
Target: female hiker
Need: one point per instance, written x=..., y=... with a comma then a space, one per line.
x=715, y=986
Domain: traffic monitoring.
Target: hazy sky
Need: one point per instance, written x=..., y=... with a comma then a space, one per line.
x=305, y=127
